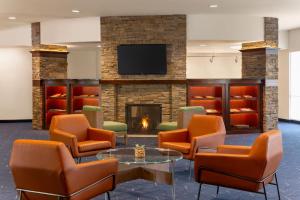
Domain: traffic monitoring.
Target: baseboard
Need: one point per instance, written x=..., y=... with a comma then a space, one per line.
x=15, y=120
x=289, y=121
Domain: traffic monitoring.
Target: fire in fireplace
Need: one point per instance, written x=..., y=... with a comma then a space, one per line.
x=143, y=118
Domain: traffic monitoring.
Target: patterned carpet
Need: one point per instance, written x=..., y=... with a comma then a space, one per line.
x=289, y=172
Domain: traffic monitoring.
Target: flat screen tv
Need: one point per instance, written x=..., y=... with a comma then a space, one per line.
x=139, y=59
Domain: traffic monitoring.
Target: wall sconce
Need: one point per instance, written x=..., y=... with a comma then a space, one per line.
x=211, y=60
x=236, y=59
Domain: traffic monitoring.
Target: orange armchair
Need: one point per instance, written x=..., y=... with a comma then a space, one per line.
x=46, y=170
x=75, y=132
x=203, y=131
x=242, y=167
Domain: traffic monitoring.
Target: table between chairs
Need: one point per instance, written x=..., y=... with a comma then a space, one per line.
x=157, y=165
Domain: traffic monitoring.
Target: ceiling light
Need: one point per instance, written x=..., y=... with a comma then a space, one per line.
x=12, y=18
x=203, y=45
x=75, y=11
x=213, y=5
x=99, y=45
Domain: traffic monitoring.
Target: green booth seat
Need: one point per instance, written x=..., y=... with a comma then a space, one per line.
x=184, y=116
x=167, y=126
x=118, y=127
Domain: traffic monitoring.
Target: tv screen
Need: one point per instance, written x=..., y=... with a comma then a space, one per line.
x=141, y=59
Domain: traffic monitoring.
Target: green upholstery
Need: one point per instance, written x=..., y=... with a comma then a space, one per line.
x=115, y=126
x=91, y=108
x=167, y=126
x=193, y=108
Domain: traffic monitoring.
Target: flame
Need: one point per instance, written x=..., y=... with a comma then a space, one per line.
x=145, y=122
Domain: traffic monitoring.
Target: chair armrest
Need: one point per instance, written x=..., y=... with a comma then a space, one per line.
x=102, y=135
x=68, y=139
x=86, y=174
x=180, y=135
x=230, y=149
x=209, y=140
x=234, y=164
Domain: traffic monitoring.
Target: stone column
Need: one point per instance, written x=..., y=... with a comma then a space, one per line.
x=48, y=62
x=260, y=60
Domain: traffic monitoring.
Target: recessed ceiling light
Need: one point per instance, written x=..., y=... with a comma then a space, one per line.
x=12, y=18
x=213, y=5
x=99, y=45
x=75, y=11
x=203, y=45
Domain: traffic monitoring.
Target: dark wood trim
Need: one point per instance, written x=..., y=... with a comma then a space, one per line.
x=53, y=54
x=129, y=81
x=289, y=121
x=15, y=120
x=37, y=83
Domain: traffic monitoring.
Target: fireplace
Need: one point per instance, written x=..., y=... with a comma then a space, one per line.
x=143, y=118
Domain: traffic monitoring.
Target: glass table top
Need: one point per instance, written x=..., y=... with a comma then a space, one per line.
x=152, y=155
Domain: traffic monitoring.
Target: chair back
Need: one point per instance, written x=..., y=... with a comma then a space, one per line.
x=205, y=124
x=41, y=166
x=267, y=150
x=185, y=115
x=94, y=115
x=76, y=124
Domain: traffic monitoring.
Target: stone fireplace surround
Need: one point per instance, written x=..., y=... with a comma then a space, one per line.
x=117, y=90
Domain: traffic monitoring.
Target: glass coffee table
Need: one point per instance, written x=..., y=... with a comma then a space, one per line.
x=157, y=165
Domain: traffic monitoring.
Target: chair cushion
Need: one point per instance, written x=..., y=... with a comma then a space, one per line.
x=182, y=147
x=114, y=126
x=92, y=145
x=167, y=126
x=91, y=108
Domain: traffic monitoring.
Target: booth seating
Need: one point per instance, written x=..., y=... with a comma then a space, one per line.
x=75, y=131
x=46, y=170
x=95, y=116
x=184, y=116
x=248, y=168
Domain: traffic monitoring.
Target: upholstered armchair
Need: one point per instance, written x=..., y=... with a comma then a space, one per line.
x=46, y=170
x=242, y=167
x=75, y=132
x=203, y=131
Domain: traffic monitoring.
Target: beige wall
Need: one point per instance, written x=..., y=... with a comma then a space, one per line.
x=283, y=82
x=83, y=64
x=15, y=84
x=223, y=66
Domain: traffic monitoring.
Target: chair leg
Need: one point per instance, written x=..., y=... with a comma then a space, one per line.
x=20, y=195
x=277, y=186
x=218, y=188
x=108, y=195
x=199, y=191
x=190, y=170
x=265, y=192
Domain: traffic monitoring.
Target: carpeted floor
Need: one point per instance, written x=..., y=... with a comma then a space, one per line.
x=289, y=172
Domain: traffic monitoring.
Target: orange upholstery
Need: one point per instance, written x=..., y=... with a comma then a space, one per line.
x=203, y=131
x=254, y=163
x=74, y=130
x=48, y=167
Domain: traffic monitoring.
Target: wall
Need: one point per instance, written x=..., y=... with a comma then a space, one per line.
x=283, y=84
x=70, y=30
x=17, y=36
x=229, y=27
x=83, y=64
x=15, y=84
x=223, y=66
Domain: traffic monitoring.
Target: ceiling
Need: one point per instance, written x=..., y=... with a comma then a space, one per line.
x=39, y=10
